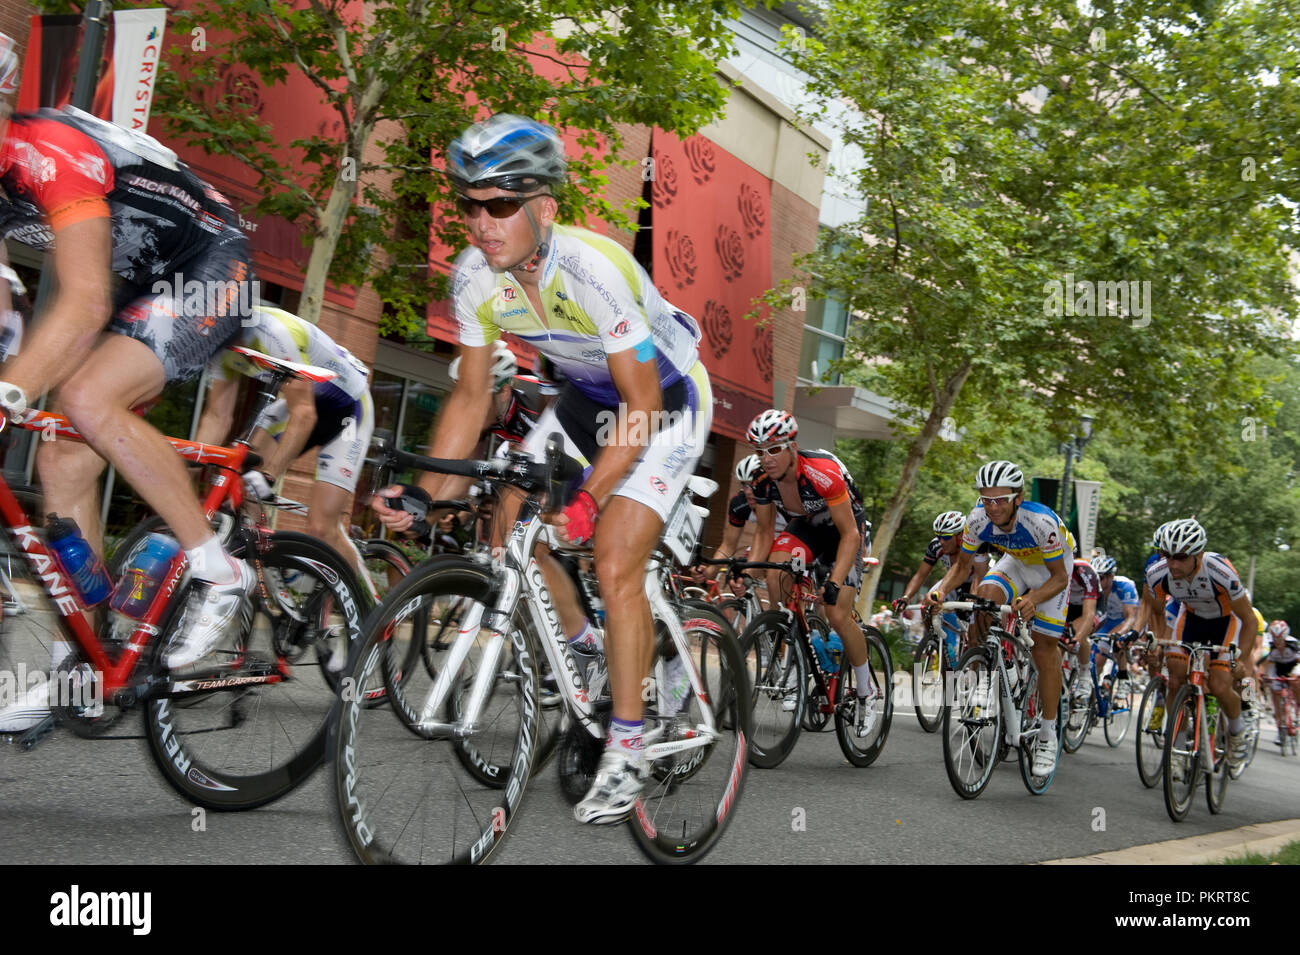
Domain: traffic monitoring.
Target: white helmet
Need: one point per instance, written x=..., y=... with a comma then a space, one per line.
x=1279, y=628
x=10, y=68
x=950, y=522
x=1103, y=565
x=748, y=469
x=999, y=474
x=1184, y=536
x=772, y=425
x=504, y=366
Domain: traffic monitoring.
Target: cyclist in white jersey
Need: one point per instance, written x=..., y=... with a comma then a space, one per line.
x=1032, y=575
x=1214, y=609
x=335, y=416
x=584, y=302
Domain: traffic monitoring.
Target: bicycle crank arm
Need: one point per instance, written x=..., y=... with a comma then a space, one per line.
x=659, y=750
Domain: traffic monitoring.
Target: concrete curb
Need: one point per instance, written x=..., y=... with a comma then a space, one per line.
x=1264, y=838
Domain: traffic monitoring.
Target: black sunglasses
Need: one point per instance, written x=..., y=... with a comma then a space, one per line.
x=499, y=207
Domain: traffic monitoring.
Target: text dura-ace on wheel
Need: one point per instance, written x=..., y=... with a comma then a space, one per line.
x=249, y=724
x=410, y=790
x=779, y=691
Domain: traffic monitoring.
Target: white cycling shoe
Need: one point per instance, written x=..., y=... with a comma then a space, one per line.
x=1044, y=758
x=25, y=712
x=614, y=792
x=211, y=612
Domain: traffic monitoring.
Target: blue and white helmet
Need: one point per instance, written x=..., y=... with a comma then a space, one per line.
x=506, y=152
x=999, y=474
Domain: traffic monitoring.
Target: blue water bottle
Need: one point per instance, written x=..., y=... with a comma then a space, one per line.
x=823, y=655
x=835, y=647
x=77, y=561
x=135, y=592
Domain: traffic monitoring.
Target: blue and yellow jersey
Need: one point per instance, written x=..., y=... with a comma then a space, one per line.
x=1038, y=537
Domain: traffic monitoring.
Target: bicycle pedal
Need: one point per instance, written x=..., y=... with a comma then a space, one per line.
x=29, y=739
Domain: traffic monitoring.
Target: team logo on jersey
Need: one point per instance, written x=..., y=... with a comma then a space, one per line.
x=659, y=485
x=508, y=294
x=621, y=329
x=1051, y=539
x=821, y=480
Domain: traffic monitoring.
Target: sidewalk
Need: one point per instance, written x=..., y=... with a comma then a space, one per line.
x=1264, y=838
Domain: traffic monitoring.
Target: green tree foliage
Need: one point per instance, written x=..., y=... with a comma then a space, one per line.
x=409, y=75
x=1017, y=151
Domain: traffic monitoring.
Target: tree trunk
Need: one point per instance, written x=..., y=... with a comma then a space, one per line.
x=339, y=205
x=884, y=535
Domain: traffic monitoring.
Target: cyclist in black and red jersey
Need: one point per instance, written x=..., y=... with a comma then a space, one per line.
x=112, y=202
x=1080, y=618
x=826, y=521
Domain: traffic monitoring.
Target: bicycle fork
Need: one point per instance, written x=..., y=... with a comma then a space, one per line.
x=477, y=620
x=705, y=733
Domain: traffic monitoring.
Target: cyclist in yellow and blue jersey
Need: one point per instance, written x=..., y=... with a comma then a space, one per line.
x=637, y=402
x=1032, y=575
x=336, y=416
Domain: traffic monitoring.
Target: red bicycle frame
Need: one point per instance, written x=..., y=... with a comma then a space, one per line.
x=226, y=486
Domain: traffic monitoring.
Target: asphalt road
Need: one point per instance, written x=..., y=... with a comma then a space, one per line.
x=78, y=801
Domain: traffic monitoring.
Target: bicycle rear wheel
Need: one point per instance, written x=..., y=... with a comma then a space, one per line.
x=405, y=792
x=817, y=709
x=1150, y=745
x=779, y=692
x=1181, y=759
x=1083, y=713
x=241, y=746
x=863, y=750
x=1216, y=783
x=1119, y=715
x=927, y=683
x=692, y=793
x=1031, y=719
x=972, y=724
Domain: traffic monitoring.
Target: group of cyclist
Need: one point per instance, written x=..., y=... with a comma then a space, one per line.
x=1189, y=596
x=122, y=218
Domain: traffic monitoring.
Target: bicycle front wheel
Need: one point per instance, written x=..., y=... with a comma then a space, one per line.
x=862, y=722
x=1150, y=734
x=1181, y=757
x=927, y=683
x=972, y=724
x=245, y=744
x=692, y=793
x=413, y=781
x=779, y=692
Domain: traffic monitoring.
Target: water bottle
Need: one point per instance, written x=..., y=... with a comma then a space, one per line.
x=835, y=647
x=77, y=561
x=823, y=655
x=135, y=592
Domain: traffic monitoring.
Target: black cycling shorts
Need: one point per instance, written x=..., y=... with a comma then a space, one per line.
x=189, y=314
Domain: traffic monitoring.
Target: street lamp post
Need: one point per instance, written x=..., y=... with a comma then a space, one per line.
x=1073, y=451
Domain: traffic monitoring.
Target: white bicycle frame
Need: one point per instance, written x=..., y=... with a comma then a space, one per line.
x=1019, y=636
x=519, y=577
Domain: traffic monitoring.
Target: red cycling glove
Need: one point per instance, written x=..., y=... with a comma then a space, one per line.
x=581, y=513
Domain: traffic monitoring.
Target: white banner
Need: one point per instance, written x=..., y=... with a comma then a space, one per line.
x=137, y=46
x=1087, y=498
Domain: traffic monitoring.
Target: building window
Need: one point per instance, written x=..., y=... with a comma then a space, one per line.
x=823, y=341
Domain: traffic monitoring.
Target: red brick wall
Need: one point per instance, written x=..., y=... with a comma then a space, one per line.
x=794, y=231
x=16, y=20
